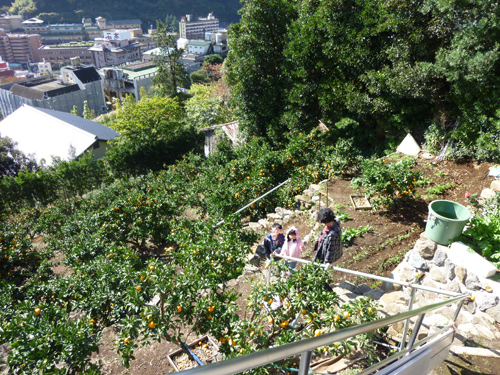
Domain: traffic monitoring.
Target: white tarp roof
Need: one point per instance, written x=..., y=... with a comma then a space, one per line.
x=409, y=146
x=44, y=136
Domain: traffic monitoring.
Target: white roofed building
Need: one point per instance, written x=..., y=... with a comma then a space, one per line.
x=45, y=134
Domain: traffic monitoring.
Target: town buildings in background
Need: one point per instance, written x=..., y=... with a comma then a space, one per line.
x=74, y=86
x=76, y=32
x=191, y=28
x=61, y=55
x=116, y=47
x=127, y=79
x=19, y=47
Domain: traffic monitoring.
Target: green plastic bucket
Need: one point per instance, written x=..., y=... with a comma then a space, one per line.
x=446, y=221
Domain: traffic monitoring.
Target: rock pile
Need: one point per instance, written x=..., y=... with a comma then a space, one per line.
x=442, y=269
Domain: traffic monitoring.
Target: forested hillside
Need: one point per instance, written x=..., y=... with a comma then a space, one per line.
x=371, y=69
x=147, y=11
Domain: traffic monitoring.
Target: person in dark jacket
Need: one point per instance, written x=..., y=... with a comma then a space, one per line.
x=328, y=248
x=274, y=240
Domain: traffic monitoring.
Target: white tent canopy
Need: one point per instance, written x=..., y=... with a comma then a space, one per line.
x=44, y=136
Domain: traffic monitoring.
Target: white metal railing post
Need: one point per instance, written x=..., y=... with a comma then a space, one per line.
x=410, y=306
x=415, y=331
x=305, y=361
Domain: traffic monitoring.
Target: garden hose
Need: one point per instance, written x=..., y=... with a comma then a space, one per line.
x=188, y=350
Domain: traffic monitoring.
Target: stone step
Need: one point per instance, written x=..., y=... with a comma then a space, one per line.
x=460, y=254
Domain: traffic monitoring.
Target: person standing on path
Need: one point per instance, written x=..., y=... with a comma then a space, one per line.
x=292, y=247
x=328, y=248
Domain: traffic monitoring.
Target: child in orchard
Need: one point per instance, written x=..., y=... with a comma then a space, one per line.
x=274, y=241
x=292, y=247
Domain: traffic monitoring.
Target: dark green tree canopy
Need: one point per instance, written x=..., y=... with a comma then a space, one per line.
x=376, y=68
x=214, y=59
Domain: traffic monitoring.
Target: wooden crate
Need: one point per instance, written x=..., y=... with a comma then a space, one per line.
x=360, y=202
x=197, y=346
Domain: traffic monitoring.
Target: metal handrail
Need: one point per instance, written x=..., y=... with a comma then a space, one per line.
x=375, y=277
x=304, y=347
x=256, y=199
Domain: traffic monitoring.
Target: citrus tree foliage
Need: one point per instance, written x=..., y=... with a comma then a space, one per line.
x=170, y=74
x=388, y=66
x=130, y=242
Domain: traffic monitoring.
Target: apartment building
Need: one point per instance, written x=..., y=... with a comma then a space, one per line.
x=55, y=33
x=61, y=55
x=127, y=79
x=108, y=51
x=19, y=48
x=190, y=28
x=11, y=23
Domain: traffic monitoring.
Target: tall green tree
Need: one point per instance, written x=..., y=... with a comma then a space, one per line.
x=86, y=111
x=13, y=160
x=255, y=66
x=74, y=111
x=206, y=108
x=172, y=23
x=152, y=133
x=368, y=69
x=171, y=74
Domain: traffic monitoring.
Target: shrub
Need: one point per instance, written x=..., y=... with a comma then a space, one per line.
x=483, y=232
x=384, y=181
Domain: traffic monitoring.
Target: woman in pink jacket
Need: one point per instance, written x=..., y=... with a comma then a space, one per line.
x=292, y=247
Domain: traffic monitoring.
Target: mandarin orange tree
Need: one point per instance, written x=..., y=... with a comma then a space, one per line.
x=384, y=181
x=294, y=308
x=144, y=254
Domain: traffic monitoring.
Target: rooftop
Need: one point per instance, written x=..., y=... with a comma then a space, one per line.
x=40, y=89
x=138, y=73
x=139, y=66
x=123, y=22
x=199, y=43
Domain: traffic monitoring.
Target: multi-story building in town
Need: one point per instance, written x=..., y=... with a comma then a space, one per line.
x=104, y=24
x=61, y=55
x=74, y=86
x=198, y=47
x=11, y=23
x=190, y=28
x=44, y=68
x=127, y=79
x=75, y=32
x=218, y=40
x=55, y=33
x=19, y=48
x=146, y=41
x=115, y=48
x=91, y=29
